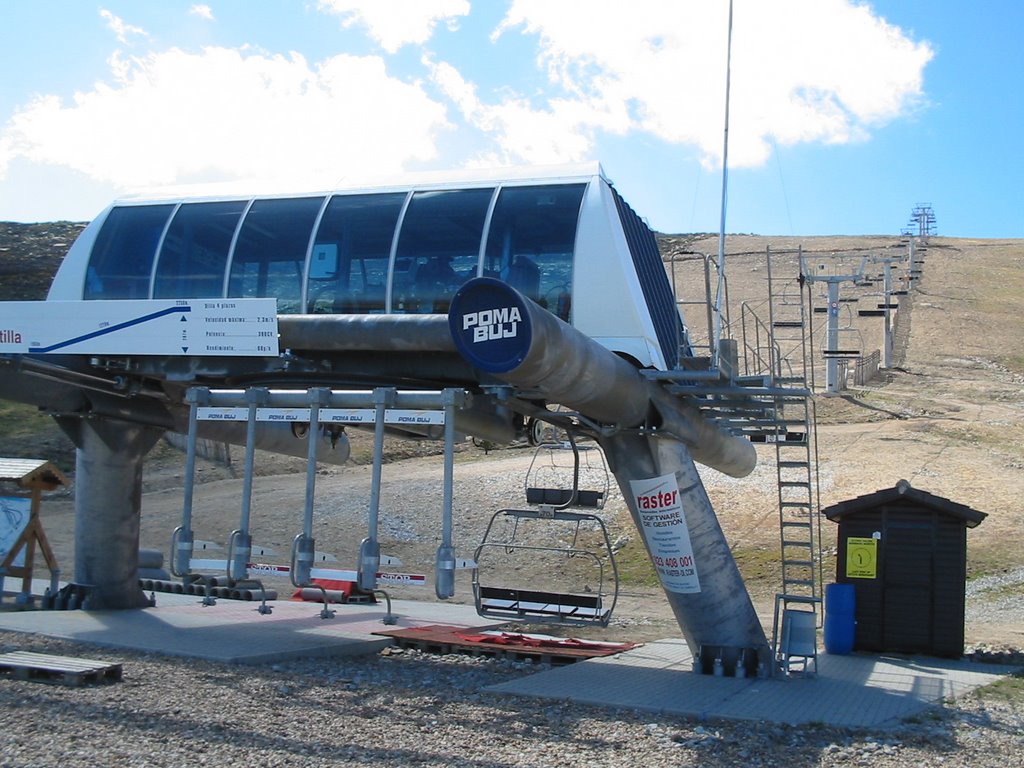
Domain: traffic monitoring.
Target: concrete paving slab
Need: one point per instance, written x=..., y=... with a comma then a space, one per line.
x=856, y=690
x=234, y=631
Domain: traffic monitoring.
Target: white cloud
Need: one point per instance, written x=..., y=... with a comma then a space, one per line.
x=120, y=28
x=177, y=117
x=803, y=71
x=824, y=71
x=201, y=10
x=395, y=23
x=563, y=131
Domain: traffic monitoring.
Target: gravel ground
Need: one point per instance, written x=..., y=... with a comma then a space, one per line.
x=410, y=708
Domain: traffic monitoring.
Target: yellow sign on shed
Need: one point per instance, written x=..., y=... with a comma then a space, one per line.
x=861, y=558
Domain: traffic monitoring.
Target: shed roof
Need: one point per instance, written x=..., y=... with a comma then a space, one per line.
x=32, y=472
x=903, y=491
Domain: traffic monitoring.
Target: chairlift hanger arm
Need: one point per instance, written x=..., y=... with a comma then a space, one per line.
x=568, y=420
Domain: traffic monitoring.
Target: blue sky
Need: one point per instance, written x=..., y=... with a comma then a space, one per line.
x=845, y=114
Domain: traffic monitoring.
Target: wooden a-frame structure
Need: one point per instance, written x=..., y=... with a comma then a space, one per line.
x=32, y=477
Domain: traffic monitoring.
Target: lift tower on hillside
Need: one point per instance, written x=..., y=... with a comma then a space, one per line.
x=832, y=352
x=887, y=305
x=922, y=218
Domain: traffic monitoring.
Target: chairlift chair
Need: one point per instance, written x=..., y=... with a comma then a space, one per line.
x=548, y=475
x=595, y=602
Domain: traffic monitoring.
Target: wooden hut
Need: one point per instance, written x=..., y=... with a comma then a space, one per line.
x=905, y=552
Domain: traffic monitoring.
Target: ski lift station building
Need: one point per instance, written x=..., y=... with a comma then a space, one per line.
x=563, y=236
x=377, y=287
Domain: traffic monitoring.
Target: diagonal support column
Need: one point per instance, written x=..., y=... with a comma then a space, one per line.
x=677, y=523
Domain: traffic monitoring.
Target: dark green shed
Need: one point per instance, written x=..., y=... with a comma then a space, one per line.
x=905, y=552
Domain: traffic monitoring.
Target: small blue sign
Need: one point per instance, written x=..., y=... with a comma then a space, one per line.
x=490, y=325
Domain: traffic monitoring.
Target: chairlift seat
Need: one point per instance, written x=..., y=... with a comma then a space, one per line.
x=836, y=353
x=590, y=605
x=522, y=603
x=545, y=472
x=557, y=497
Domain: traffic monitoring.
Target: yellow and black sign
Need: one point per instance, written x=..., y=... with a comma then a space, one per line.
x=861, y=558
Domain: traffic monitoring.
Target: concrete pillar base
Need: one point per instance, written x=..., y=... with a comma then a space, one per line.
x=108, y=503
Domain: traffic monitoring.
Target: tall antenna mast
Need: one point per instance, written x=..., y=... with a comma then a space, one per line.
x=725, y=195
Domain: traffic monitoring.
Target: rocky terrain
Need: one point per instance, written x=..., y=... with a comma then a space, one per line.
x=30, y=254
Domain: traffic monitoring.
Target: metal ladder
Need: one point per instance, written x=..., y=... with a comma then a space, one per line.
x=795, y=444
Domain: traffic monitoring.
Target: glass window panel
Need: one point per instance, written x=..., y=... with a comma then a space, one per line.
x=438, y=248
x=531, y=242
x=348, y=270
x=122, y=257
x=270, y=254
x=195, y=251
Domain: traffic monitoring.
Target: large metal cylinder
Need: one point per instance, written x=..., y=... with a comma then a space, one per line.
x=278, y=438
x=500, y=331
x=365, y=333
x=108, y=500
x=505, y=334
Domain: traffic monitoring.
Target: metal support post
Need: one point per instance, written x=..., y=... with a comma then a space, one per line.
x=444, y=573
x=240, y=542
x=183, y=539
x=832, y=351
x=369, y=549
x=887, y=338
x=304, y=545
x=832, y=383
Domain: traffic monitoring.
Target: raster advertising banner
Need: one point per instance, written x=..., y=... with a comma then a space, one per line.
x=663, y=525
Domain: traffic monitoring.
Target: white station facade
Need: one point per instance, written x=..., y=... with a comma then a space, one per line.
x=563, y=236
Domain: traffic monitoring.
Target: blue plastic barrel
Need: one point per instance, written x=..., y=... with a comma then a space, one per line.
x=839, y=604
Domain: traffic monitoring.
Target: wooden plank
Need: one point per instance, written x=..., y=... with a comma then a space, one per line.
x=68, y=670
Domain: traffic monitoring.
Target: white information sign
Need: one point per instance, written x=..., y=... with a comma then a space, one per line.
x=402, y=416
x=222, y=413
x=663, y=525
x=207, y=327
x=282, y=414
x=348, y=415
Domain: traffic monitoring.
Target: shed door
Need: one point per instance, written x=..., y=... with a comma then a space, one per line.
x=908, y=613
